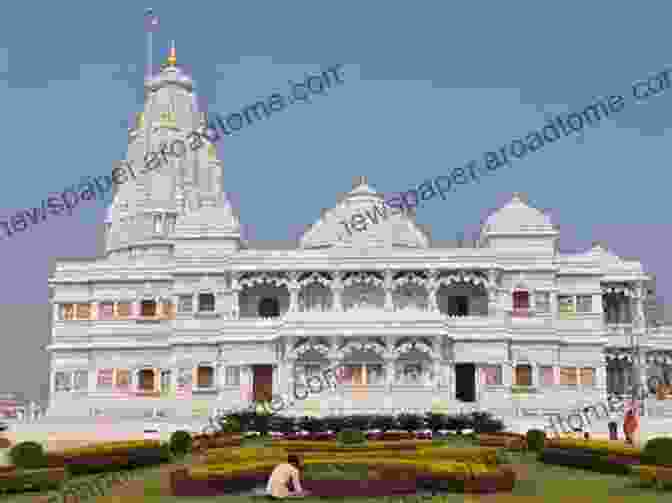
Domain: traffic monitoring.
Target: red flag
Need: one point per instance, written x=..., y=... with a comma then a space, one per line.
x=151, y=21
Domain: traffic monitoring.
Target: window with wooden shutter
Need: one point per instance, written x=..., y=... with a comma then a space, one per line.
x=523, y=375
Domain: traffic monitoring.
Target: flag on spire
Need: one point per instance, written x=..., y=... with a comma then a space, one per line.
x=151, y=20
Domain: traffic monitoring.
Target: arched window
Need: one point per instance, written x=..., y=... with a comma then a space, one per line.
x=269, y=308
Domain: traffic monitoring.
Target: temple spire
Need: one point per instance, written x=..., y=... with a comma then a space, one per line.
x=172, y=58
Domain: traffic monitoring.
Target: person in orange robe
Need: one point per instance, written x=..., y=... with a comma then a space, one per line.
x=630, y=423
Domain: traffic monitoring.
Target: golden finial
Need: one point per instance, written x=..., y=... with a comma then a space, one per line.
x=172, y=58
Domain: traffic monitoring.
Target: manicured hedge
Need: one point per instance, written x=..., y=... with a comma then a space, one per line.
x=180, y=442
x=585, y=459
x=657, y=451
x=479, y=422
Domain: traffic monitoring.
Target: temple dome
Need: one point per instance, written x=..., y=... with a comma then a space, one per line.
x=518, y=217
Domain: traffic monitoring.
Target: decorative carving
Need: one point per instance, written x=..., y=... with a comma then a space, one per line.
x=463, y=278
x=376, y=347
x=264, y=278
x=419, y=345
x=368, y=279
x=321, y=348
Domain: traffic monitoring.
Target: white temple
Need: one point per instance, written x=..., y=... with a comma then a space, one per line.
x=182, y=309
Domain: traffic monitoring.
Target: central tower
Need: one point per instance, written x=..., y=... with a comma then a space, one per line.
x=179, y=196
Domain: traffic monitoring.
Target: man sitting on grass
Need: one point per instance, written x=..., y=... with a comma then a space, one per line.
x=285, y=481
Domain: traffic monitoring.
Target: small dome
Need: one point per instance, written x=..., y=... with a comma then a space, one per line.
x=517, y=216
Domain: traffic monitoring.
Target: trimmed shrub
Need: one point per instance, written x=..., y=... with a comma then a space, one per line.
x=382, y=422
x=657, y=451
x=312, y=424
x=484, y=422
x=582, y=459
x=410, y=422
x=28, y=455
x=180, y=442
x=536, y=440
x=351, y=436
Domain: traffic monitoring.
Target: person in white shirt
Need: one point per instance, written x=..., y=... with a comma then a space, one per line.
x=282, y=476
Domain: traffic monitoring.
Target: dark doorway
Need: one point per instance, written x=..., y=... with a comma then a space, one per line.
x=465, y=382
x=269, y=308
x=458, y=306
x=263, y=382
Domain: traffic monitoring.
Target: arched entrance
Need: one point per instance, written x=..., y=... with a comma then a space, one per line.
x=269, y=307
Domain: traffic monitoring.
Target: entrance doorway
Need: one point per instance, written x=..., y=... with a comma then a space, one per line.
x=465, y=382
x=263, y=383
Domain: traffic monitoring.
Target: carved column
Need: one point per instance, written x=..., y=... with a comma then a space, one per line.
x=390, y=359
x=236, y=289
x=337, y=290
x=492, y=293
x=436, y=362
x=432, y=289
x=294, y=288
x=389, y=304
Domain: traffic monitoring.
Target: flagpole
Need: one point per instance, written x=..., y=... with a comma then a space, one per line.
x=149, y=13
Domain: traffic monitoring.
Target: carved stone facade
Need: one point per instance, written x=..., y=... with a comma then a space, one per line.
x=191, y=312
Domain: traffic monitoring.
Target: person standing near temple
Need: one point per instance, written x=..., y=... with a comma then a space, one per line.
x=630, y=422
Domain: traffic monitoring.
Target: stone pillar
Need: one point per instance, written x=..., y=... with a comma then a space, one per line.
x=294, y=288
x=388, y=285
x=235, y=289
x=337, y=290
x=55, y=312
x=290, y=364
x=493, y=310
x=533, y=301
x=432, y=290
x=535, y=374
x=452, y=380
x=553, y=303
x=436, y=362
x=597, y=304
x=507, y=373
x=389, y=371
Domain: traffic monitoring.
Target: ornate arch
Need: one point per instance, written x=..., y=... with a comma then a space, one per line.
x=412, y=278
x=419, y=345
x=314, y=278
x=306, y=346
x=368, y=279
x=264, y=278
x=461, y=277
x=376, y=347
x=627, y=291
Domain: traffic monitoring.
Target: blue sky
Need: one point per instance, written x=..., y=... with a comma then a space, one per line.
x=428, y=86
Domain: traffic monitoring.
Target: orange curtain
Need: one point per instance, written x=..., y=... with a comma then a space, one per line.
x=568, y=375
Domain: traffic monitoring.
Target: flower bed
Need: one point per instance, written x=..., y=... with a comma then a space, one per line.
x=109, y=457
x=393, y=467
x=508, y=441
x=392, y=476
x=36, y=480
x=216, y=441
x=606, y=447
